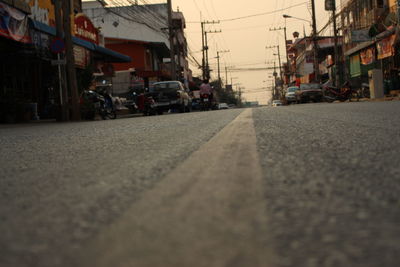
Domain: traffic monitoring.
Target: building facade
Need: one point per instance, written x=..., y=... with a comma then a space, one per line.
x=29, y=76
x=371, y=39
x=141, y=31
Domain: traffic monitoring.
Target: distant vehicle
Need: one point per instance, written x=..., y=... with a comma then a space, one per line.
x=309, y=92
x=164, y=96
x=277, y=103
x=291, y=94
x=223, y=106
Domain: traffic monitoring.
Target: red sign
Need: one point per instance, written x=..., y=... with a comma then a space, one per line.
x=85, y=29
x=367, y=56
x=385, y=47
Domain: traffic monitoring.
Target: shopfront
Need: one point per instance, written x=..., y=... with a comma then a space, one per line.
x=28, y=79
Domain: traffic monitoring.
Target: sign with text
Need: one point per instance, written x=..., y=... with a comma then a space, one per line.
x=43, y=11
x=359, y=36
x=85, y=29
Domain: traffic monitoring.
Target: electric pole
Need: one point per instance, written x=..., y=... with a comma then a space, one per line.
x=219, y=69
x=69, y=53
x=315, y=42
x=207, y=48
x=205, y=66
x=62, y=76
x=284, y=30
x=171, y=41
x=279, y=59
x=337, y=75
x=226, y=76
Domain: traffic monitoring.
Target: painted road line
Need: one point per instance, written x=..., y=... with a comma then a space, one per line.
x=209, y=211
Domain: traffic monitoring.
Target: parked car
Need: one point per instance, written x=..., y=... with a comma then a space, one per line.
x=223, y=106
x=277, y=103
x=291, y=94
x=309, y=92
x=166, y=96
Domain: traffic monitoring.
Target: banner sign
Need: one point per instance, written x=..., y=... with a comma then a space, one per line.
x=85, y=29
x=43, y=11
x=368, y=56
x=82, y=57
x=14, y=24
x=385, y=47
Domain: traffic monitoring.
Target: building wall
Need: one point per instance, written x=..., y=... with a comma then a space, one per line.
x=136, y=51
x=124, y=26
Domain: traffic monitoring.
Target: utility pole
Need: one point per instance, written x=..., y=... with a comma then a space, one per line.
x=279, y=58
x=226, y=76
x=63, y=91
x=207, y=48
x=337, y=75
x=171, y=40
x=205, y=66
x=69, y=53
x=315, y=42
x=284, y=30
x=219, y=69
x=274, y=89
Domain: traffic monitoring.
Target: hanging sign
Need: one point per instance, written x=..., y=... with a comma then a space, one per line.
x=385, y=47
x=14, y=24
x=368, y=56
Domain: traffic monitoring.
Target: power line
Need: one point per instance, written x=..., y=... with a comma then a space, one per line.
x=256, y=15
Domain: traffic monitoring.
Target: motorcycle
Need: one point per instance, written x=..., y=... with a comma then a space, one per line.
x=93, y=102
x=344, y=93
x=205, y=102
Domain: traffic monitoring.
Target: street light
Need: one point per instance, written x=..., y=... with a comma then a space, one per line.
x=291, y=17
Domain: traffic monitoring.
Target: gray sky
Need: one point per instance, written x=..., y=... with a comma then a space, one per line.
x=246, y=39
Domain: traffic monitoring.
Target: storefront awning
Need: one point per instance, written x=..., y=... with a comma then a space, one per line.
x=108, y=54
x=111, y=55
x=358, y=48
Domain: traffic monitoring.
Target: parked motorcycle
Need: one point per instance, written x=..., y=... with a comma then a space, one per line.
x=344, y=93
x=93, y=102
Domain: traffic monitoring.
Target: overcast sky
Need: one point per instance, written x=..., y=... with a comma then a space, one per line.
x=246, y=38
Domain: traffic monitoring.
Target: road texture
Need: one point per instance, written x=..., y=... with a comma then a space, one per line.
x=304, y=185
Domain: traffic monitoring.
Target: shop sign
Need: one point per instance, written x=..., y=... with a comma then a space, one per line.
x=43, y=11
x=82, y=57
x=385, y=47
x=368, y=56
x=85, y=29
x=14, y=24
x=40, y=40
x=360, y=36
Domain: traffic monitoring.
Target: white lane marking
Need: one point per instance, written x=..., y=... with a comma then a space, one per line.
x=209, y=211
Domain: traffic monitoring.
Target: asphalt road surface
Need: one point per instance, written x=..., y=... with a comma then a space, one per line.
x=306, y=185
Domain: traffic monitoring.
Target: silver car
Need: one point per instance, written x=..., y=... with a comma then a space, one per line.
x=291, y=94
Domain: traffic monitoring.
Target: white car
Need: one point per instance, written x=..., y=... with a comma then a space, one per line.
x=277, y=103
x=223, y=106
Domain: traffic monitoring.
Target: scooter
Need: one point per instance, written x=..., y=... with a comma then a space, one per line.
x=205, y=102
x=332, y=93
